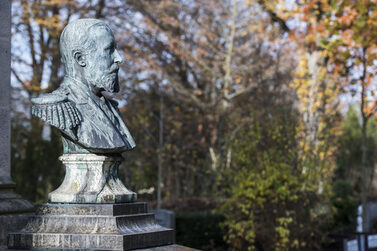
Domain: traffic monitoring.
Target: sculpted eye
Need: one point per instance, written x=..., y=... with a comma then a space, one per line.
x=110, y=47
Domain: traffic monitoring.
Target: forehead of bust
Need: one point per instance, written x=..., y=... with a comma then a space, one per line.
x=102, y=35
x=78, y=32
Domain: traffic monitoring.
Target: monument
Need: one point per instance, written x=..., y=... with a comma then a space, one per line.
x=14, y=211
x=91, y=209
x=93, y=131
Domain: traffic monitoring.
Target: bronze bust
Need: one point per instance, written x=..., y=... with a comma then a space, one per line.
x=89, y=122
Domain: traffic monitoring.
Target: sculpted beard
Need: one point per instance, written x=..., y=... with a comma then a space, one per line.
x=109, y=80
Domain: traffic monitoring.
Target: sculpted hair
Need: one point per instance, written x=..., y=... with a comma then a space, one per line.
x=76, y=36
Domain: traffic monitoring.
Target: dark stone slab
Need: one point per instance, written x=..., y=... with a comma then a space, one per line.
x=14, y=212
x=173, y=247
x=125, y=226
x=14, y=205
x=9, y=223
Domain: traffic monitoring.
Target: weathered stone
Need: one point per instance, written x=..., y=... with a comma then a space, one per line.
x=173, y=247
x=5, y=21
x=124, y=226
x=91, y=178
x=14, y=211
x=9, y=223
x=92, y=209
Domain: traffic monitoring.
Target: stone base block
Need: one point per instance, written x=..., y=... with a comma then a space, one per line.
x=9, y=223
x=123, y=226
x=173, y=247
x=14, y=211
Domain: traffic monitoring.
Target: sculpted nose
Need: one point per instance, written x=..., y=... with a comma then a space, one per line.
x=117, y=57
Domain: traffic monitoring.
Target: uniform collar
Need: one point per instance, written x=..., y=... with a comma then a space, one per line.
x=81, y=92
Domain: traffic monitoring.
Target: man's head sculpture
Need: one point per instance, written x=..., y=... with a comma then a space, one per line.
x=89, y=122
x=88, y=50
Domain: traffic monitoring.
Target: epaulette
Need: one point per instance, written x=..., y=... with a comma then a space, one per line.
x=56, y=110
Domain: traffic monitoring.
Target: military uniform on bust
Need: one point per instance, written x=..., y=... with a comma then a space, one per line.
x=88, y=123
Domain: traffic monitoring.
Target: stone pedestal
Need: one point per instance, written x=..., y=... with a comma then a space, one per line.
x=91, y=178
x=14, y=211
x=86, y=213
x=123, y=226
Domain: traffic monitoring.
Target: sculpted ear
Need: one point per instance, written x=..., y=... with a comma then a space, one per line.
x=79, y=58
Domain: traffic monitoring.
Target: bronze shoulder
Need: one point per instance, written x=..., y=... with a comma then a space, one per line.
x=57, y=110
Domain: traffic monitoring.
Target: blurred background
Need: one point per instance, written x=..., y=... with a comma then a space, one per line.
x=254, y=120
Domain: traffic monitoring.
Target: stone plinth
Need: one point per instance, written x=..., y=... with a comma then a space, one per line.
x=14, y=212
x=91, y=178
x=173, y=247
x=123, y=226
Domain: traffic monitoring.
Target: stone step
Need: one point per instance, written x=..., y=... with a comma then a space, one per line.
x=83, y=224
x=162, y=236
x=92, y=209
x=170, y=247
x=123, y=226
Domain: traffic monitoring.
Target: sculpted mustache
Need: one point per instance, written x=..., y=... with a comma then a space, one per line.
x=114, y=68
